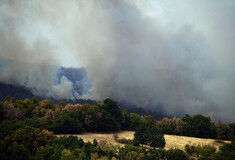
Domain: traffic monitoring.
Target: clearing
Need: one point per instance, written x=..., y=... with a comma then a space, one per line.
x=172, y=141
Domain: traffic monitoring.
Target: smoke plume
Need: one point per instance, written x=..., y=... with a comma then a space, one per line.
x=148, y=54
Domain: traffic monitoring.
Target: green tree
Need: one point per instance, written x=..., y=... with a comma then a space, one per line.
x=176, y=154
x=149, y=121
x=199, y=126
x=94, y=156
x=1, y=112
x=232, y=130
x=62, y=103
x=3, y=150
x=80, y=154
x=65, y=124
x=95, y=143
x=165, y=125
x=30, y=137
x=112, y=107
x=151, y=136
x=222, y=131
x=135, y=121
x=10, y=99
x=19, y=152
x=35, y=101
x=40, y=154
x=67, y=155
x=132, y=155
x=155, y=138
x=140, y=136
x=115, y=111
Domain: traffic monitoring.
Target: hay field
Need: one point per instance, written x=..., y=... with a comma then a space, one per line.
x=172, y=141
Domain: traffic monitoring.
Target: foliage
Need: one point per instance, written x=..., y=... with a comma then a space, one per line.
x=223, y=131
x=176, y=154
x=31, y=138
x=27, y=130
x=65, y=124
x=151, y=136
x=174, y=126
x=18, y=152
x=135, y=121
x=201, y=151
x=122, y=140
x=67, y=155
x=226, y=152
x=199, y=126
x=149, y=121
x=155, y=138
x=10, y=112
x=140, y=136
x=125, y=141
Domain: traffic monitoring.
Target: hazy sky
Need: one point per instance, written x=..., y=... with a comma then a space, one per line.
x=176, y=54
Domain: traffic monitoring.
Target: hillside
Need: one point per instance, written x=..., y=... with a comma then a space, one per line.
x=21, y=92
x=172, y=141
x=28, y=127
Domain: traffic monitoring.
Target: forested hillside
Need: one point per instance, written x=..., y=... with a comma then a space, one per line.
x=28, y=126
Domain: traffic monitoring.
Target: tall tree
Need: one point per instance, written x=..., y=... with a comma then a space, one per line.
x=222, y=131
x=140, y=136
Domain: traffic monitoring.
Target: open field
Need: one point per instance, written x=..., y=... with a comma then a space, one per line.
x=172, y=141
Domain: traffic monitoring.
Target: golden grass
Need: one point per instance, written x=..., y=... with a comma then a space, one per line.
x=172, y=141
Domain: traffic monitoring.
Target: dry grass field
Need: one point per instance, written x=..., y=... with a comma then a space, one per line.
x=172, y=141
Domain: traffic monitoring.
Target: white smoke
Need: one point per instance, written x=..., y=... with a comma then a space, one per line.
x=151, y=53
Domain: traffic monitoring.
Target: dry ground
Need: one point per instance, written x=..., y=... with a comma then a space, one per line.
x=172, y=141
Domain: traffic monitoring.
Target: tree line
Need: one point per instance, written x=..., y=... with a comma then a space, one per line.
x=196, y=126
x=34, y=144
x=27, y=129
x=105, y=116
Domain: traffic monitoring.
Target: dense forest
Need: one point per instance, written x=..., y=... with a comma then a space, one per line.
x=28, y=128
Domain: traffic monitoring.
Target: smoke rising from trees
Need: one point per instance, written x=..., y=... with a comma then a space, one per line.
x=180, y=59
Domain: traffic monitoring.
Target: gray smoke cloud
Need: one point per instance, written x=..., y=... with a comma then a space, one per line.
x=131, y=58
x=29, y=58
x=179, y=56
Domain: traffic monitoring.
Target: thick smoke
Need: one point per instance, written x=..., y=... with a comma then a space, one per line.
x=131, y=58
x=148, y=54
x=51, y=82
x=78, y=77
x=29, y=57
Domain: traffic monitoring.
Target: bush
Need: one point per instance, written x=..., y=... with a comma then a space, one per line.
x=176, y=154
x=19, y=152
x=115, y=136
x=202, y=151
x=189, y=149
x=125, y=141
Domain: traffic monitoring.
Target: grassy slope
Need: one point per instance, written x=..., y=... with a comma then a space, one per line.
x=172, y=141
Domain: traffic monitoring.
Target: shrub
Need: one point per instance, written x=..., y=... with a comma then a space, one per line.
x=115, y=136
x=202, y=151
x=176, y=154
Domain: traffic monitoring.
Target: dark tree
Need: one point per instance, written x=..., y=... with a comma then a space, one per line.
x=19, y=152
x=155, y=138
x=65, y=124
x=140, y=136
x=222, y=131
x=114, y=110
x=199, y=126
x=151, y=136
